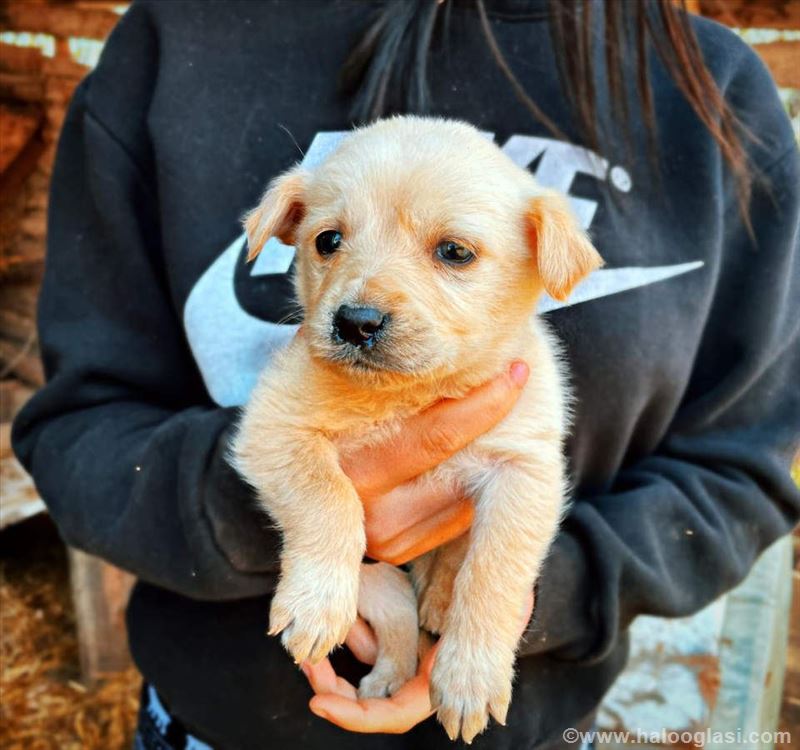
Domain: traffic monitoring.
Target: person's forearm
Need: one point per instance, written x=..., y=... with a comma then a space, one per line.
x=684, y=534
x=152, y=493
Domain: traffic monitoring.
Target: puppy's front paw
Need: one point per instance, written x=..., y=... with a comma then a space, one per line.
x=434, y=603
x=468, y=683
x=397, y=657
x=385, y=680
x=314, y=609
x=436, y=584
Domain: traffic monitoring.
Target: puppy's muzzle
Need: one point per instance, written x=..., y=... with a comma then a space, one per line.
x=359, y=326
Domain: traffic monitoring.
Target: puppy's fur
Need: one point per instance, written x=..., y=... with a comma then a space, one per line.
x=395, y=190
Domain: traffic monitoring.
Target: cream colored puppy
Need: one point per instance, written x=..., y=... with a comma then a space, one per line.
x=421, y=252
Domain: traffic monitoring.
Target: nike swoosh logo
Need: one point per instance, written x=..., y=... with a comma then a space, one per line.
x=231, y=347
x=607, y=281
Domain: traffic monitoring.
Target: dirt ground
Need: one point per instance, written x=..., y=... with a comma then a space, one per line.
x=44, y=706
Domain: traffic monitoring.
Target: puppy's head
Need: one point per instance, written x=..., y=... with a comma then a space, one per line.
x=420, y=247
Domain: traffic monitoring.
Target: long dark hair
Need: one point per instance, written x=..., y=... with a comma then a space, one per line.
x=392, y=57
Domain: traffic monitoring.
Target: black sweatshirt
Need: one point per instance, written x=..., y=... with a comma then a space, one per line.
x=684, y=350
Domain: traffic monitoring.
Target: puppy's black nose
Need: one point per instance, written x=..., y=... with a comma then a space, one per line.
x=358, y=325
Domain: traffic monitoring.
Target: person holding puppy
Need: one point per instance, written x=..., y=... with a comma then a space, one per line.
x=153, y=330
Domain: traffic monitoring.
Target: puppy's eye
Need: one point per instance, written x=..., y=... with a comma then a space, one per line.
x=454, y=254
x=328, y=242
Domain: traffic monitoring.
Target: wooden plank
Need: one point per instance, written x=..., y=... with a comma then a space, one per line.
x=109, y=5
x=100, y=593
x=38, y=182
x=23, y=267
x=19, y=170
x=16, y=327
x=720, y=669
x=790, y=710
x=18, y=316
x=755, y=637
x=59, y=20
x=15, y=59
x=34, y=224
x=25, y=87
x=671, y=682
x=19, y=499
x=783, y=60
x=59, y=90
x=65, y=67
x=23, y=361
x=36, y=199
x=13, y=396
x=752, y=14
x=24, y=254
x=17, y=127
x=21, y=298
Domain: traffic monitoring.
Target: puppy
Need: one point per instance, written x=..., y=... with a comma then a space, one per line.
x=421, y=252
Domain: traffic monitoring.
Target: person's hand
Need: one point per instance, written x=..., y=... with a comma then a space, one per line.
x=404, y=521
x=337, y=701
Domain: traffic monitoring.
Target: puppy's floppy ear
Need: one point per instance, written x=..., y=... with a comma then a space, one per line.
x=563, y=253
x=279, y=212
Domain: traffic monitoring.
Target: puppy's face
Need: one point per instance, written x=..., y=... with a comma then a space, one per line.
x=420, y=247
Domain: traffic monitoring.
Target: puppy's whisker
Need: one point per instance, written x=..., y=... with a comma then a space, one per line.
x=294, y=140
x=292, y=313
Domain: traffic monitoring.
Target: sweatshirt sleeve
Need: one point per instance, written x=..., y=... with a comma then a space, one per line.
x=683, y=525
x=123, y=442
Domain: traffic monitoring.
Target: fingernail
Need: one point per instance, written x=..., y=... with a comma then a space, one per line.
x=519, y=372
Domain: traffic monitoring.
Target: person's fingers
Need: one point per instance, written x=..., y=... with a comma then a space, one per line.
x=434, y=435
x=362, y=642
x=395, y=512
x=406, y=708
x=324, y=680
x=320, y=676
x=446, y=525
x=426, y=666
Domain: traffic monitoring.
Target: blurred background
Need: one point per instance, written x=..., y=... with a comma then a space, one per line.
x=66, y=679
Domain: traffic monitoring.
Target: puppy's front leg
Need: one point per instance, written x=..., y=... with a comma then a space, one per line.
x=435, y=575
x=320, y=514
x=517, y=512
